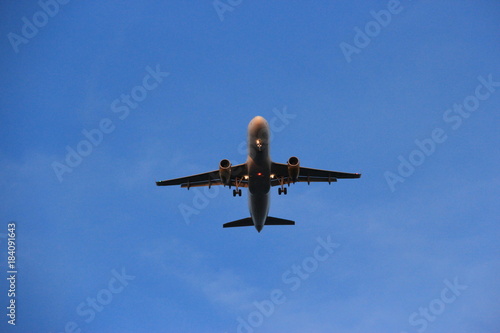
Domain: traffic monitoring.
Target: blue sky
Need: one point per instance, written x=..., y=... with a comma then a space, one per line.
x=412, y=104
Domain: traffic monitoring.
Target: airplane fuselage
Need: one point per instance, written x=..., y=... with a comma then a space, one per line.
x=259, y=171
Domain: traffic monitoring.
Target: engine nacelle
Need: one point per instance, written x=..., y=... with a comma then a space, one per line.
x=293, y=168
x=225, y=171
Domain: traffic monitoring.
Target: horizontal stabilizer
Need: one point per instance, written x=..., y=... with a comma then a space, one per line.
x=247, y=222
x=277, y=221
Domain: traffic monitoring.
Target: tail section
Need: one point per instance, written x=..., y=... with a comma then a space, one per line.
x=247, y=222
x=277, y=221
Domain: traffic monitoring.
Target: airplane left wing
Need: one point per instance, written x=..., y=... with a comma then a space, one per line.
x=308, y=175
x=238, y=173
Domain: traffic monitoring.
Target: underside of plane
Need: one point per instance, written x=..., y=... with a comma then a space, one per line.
x=259, y=174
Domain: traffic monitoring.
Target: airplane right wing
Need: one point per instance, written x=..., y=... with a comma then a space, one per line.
x=308, y=175
x=209, y=179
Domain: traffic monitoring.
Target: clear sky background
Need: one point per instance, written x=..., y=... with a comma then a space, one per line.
x=417, y=249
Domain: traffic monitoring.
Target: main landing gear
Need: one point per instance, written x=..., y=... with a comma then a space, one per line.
x=282, y=188
x=237, y=183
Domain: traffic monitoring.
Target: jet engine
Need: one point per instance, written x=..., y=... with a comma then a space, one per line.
x=225, y=171
x=293, y=168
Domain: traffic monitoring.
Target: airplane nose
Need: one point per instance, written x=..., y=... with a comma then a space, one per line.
x=259, y=129
x=258, y=227
x=259, y=122
x=259, y=119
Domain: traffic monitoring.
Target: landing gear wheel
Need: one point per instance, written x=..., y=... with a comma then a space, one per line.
x=282, y=188
x=239, y=192
x=234, y=193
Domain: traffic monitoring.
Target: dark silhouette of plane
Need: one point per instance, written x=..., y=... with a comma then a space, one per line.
x=258, y=174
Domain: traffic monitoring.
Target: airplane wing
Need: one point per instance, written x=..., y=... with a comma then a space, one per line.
x=209, y=178
x=308, y=175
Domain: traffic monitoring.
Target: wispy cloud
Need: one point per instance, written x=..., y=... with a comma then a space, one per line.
x=221, y=287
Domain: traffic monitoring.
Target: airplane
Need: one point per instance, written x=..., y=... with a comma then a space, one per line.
x=259, y=173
